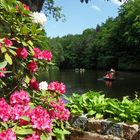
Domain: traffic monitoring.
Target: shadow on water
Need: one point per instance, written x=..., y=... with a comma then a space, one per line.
x=126, y=84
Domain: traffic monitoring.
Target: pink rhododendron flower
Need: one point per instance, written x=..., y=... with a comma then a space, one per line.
x=5, y=110
x=22, y=53
x=32, y=66
x=38, y=53
x=18, y=111
x=40, y=119
x=59, y=111
x=47, y=55
x=2, y=74
x=0, y=45
x=57, y=87
x=26, y=7
x=34, y=84
x=8, y=42
x=33, y=137
x=19, y=97
x=7, y=135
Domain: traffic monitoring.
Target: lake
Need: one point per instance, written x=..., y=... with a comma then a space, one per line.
x=127, y=83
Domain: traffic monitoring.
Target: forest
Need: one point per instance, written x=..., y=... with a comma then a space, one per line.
x=113, y=44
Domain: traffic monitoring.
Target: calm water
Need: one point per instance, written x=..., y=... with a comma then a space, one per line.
x=127, y=83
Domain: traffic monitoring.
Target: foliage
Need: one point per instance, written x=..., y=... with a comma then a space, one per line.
x=95, y=104
x=47, y=6
x=114, y=43
x=28, y=109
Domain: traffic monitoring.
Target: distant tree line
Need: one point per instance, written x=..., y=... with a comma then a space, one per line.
x=113, y=44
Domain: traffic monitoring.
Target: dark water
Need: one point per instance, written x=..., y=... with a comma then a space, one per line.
x=127, y=83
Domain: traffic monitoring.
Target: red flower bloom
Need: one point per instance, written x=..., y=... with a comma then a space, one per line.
x=34, y=84
x=47, y=55
x=8, y=43
x=38, y=53
x=57, y=87
x=7, y=135
x=32, y=66
x=26, y=7
x=40, y=119
x=22, y=53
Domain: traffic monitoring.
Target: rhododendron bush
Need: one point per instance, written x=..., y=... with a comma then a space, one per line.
x=29, y=110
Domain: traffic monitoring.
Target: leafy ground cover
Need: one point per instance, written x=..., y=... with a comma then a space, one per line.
x=95, y=104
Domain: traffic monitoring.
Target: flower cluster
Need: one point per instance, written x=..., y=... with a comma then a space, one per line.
x=19, y=97
x=45, y=54
x=38, y=18
x=19, y=107
x=34, y=84
x=31, y=105
x=59, y=111
x=5, y=110
x=57, y=87
x=7, y=43
x=43, y=85
x=22, y=53
x=7, y=135
x=40, y=119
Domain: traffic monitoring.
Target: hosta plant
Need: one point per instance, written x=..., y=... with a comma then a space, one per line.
x=95, y=104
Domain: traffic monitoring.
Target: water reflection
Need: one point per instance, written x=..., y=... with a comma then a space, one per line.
x=108, y=84
x=127, y=83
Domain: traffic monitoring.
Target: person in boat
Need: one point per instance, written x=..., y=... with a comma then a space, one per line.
x=110, y=74
x=113, y=73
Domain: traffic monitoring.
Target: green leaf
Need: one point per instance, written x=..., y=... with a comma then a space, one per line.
x=25, y=30
x=99, y=116
x=44, y=136
x=23, y=131
x=31, y=49
x=25, y=118
x=33, y=29
x=8, y=58
x=27, y=79
x=3, y=49
x=30, y=43
x=3, y=64
x=24, y=43
x=91, y=112
x=4, y=124
x=12, y=52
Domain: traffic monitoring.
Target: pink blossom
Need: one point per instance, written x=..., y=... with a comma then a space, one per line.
x=18, y=111
x=34, y=84
x=59, y=111
x=7, y=135
x=57, y=87
x=5, y=110
x=19, y=97
x=40, y=119
x=26, y=7
x=47, y=55
x=0, y=45
x=22, y=53
x=33, y=137
x=32, y=66
x=2, y=74
x=8, y=43
x=38, y=53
